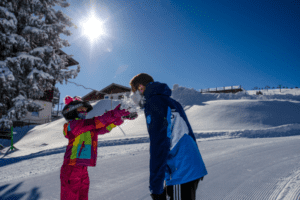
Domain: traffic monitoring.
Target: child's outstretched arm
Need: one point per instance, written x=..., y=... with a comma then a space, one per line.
x=110, y=117
x=105, y=123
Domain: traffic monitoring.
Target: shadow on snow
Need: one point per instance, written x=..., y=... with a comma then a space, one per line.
x=12, y=194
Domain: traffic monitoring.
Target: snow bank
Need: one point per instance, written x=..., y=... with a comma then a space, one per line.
x=242, y=114
x=279, y=131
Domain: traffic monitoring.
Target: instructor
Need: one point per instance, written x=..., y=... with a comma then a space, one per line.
x=174, y=155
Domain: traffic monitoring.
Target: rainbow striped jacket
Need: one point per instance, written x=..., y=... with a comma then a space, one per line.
x=83, y=138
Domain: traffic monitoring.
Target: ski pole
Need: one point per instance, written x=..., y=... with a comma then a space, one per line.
x=122, y=130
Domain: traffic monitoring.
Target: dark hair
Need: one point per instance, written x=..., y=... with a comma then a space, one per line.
x=141, y=78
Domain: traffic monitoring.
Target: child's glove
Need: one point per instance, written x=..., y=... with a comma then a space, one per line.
x=120, y=113
x=131, y=116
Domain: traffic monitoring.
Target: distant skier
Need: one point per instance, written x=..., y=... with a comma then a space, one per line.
x=174, y=154
x=82, y=148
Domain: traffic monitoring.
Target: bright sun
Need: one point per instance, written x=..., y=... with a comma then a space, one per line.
x=93, y=28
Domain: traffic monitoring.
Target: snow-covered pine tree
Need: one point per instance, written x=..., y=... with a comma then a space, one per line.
x=29, y=64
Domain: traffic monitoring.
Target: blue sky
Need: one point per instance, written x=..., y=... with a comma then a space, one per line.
x=199, y=44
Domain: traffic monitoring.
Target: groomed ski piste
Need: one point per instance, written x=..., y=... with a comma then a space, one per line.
x=249, y=143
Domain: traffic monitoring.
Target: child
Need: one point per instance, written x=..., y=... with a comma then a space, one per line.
x=82, y=148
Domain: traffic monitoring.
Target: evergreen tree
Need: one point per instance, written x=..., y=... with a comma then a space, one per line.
x=29, y=39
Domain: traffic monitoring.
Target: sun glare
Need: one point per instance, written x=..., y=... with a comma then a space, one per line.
x=93, y=28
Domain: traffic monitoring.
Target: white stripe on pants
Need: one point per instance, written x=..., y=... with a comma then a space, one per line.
x=177, y=192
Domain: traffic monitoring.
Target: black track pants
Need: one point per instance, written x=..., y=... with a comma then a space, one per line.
x=186, y=191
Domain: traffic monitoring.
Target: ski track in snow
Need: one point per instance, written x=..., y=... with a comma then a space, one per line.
x=251, y=170
x=239, y=168
x=289, y=187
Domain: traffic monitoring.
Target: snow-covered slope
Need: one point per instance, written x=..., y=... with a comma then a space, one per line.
x=264, y=168
x=50, y=135
x=243, y=114
x=210, y=115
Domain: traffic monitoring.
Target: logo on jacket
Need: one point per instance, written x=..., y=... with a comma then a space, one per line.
x=148, y=119
x=173, y=111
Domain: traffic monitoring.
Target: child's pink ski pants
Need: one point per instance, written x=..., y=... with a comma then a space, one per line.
x=75, y=182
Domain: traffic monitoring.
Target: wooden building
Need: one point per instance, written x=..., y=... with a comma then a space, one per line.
x=113, y=91
x=230, y=89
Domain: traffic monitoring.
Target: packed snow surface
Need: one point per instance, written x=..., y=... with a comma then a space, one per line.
x=249, y=143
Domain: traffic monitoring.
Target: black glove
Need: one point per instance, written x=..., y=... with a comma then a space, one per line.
x=162, y=196
x=131, y=116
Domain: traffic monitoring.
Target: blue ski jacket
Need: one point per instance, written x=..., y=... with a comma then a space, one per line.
x=174, y=153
